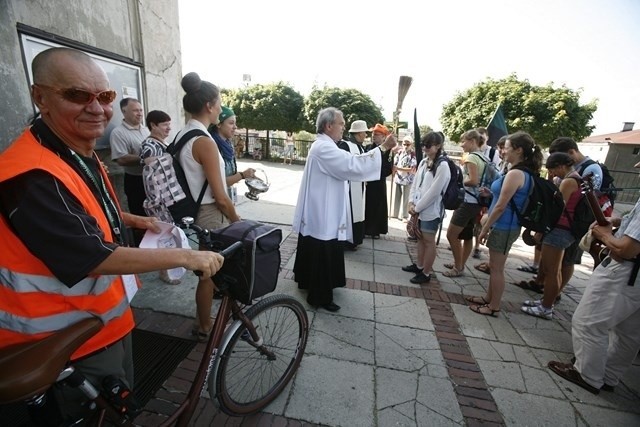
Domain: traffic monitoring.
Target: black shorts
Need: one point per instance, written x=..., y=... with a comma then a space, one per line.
x=573, y=254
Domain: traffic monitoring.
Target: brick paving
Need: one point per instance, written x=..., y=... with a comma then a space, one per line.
x=472, y=392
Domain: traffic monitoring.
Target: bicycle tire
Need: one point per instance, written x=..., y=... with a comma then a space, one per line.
x=244, y=381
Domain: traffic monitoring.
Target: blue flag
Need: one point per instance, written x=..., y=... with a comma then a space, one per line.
x=497, y=127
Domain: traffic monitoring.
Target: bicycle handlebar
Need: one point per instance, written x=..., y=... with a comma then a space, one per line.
x=205, y=236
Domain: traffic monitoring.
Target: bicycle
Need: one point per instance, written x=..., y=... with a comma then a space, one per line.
x=244, y=366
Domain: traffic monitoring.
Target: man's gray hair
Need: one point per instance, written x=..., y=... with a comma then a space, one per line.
x=326, y=117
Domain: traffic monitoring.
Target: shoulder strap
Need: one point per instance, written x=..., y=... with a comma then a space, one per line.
x=586, y=164
x=480, y=156
x=175, y=147
x=526, y=171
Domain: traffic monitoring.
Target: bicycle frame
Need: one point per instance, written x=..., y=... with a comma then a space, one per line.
x=229, y=309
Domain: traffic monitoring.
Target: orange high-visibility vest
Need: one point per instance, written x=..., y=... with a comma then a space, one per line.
x=33, y=302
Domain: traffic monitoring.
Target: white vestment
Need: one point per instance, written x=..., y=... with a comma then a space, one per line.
x=323, y=210
x=357, y=189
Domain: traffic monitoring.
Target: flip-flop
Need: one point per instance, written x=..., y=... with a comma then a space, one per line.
x=476, y=299
x=569, y=373
x=478, y=309
x=483, y=267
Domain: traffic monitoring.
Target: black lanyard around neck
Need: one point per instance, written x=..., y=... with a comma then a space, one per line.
x=108, y=205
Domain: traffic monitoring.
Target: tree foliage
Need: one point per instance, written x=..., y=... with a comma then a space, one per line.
x=268, y=107
x=354, y=104
x=543, y=111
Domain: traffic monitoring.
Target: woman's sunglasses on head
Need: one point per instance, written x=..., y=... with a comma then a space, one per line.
x=81, y=96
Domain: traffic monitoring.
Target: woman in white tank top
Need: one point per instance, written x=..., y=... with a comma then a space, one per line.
x=201, y=159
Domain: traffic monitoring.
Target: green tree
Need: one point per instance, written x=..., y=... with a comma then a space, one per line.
x=354, y=104
x=273, y=106
x=268, y=107
x=543, y=111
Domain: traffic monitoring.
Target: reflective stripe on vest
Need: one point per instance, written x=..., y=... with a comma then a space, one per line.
x=48, y=324
x=22, y=283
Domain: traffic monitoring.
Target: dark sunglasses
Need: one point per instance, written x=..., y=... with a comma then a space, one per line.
x=81, y=96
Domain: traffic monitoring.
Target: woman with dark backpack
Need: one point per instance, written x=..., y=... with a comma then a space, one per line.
x=425, y=200
x=558, y=239
x=501, y=228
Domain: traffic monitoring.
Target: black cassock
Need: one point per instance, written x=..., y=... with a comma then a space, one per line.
x=375, y=208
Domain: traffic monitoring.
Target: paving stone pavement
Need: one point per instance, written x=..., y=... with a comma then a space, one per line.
x=397, y=353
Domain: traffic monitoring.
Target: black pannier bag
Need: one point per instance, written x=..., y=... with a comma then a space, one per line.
x=253, y=271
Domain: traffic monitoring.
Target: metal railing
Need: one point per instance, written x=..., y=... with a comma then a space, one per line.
x=628, y=183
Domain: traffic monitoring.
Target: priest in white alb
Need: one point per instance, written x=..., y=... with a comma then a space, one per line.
x=323, y=217
x=357, y=135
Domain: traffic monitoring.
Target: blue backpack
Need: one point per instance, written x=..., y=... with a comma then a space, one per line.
x=489, y=174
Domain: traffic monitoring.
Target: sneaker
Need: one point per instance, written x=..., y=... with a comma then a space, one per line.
x=538, y=311
x=532, y=303
x=420, y=278
x=413, y=268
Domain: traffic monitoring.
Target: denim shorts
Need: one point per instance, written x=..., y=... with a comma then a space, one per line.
x=558, y=238
x=502, y=240
x=430, y=226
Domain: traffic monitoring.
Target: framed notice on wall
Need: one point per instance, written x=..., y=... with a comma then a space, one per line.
x=125, y=78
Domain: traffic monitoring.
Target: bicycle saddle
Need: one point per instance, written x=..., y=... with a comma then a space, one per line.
x=29, y=369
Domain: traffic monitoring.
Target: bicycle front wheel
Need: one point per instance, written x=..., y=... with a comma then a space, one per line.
x=248, y=376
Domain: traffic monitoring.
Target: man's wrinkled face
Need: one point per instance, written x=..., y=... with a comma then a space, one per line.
x=335, y=130
x=72, y=121
x=133, y=113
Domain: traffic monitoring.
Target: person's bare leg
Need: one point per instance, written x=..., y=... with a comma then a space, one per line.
x=456, y=245
x=551, y=258
x=204, y=301
x=429, y=251
x=467, y=247
x=496, y=280
x=420, y=250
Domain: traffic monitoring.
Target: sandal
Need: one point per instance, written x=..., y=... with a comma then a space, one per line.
x=530, y=285
x=528, y=269
x=201, y=336
x=453, y=272
x=484, y=309
x=483, y=267
x=449, y=266
x=478, y=300
x=569, y=373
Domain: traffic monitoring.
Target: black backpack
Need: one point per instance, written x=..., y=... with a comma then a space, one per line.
x=542, y=207
x=453, y=194
x=606, y=187
x=186, y=206
x=582, y=216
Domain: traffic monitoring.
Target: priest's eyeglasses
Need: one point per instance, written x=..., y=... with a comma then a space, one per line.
x=81, y=96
